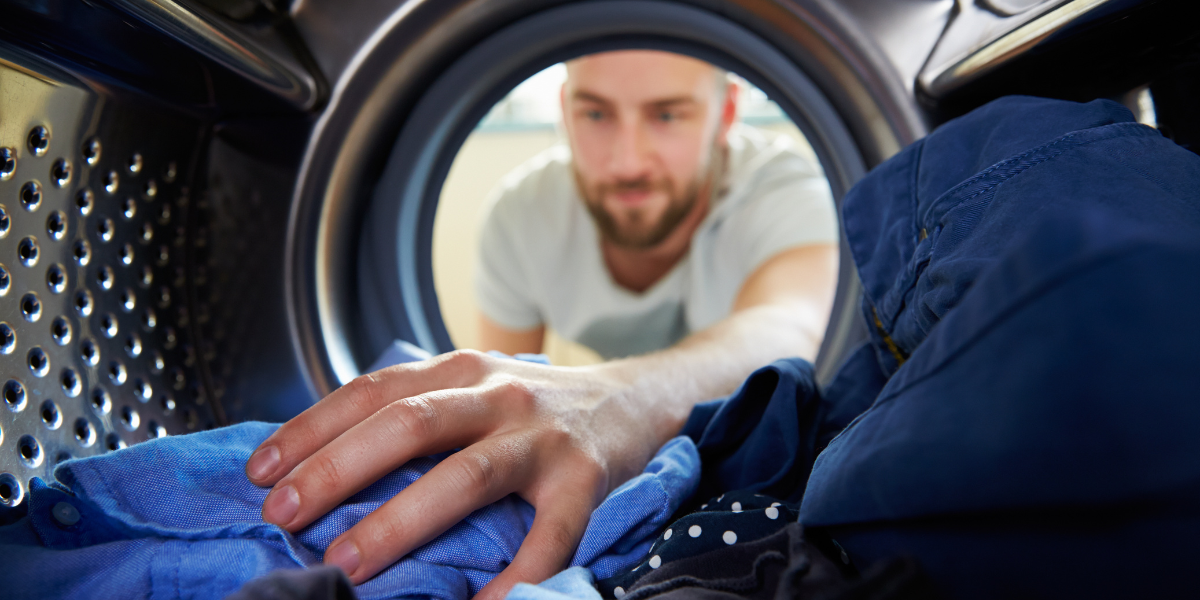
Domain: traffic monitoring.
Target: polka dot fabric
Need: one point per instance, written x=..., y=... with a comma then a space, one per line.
x=732, y=518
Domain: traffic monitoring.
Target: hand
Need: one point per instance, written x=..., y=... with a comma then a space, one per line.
x=561, y=438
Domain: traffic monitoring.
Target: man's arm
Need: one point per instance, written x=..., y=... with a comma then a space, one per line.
x=560, y=437
x=493, y=336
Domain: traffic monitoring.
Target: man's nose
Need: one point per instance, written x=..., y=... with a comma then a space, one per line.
x=631, y=151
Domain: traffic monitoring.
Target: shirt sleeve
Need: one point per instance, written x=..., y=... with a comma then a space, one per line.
x=502, y=288
x=789, y=205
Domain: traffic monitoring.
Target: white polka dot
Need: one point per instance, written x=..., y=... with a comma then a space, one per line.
x=703, y=506
x=737, y=507
x=619, y=592
x=694, y=531
x=729, y=537
x=667, y=534
x=772, y=513
x=655, y=561
x=774, y=504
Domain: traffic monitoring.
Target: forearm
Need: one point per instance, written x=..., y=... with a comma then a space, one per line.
x=663, y=387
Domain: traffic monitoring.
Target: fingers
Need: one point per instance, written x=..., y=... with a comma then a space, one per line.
x=557, y=528
x=465, y=481
x=350, y=404
x=392, y=436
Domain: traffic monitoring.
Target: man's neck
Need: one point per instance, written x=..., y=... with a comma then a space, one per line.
x=637, y=270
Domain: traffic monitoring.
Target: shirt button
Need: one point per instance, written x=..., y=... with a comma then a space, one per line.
x=66, y=514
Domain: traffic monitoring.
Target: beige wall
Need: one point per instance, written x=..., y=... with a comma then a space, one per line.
x=485, y=158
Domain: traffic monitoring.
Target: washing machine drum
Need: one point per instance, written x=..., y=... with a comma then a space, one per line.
x=219, y=212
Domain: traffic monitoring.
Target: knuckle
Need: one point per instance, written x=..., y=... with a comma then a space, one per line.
x=383, y=534
x=415, y=416
x=323, y=470
x=467, y=361
x=515, y=393
x=363, y=393
x=475, y=472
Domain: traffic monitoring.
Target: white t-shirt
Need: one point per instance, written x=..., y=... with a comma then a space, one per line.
x=540, y=261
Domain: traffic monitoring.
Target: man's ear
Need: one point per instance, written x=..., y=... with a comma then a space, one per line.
x=729, y=111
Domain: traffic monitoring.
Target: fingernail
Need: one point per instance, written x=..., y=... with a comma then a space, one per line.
x=281, y=505
x=263, y=462
x=343, y=556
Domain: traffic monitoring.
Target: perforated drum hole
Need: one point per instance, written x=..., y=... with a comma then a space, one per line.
x=164, y=297
x=91, y=151
x=39, y=361
x=5, y=221
x=126, y=254
x=84, y=201
x=190, y=418
x=150, y=190
x=101, y=401
x=39, y=140
x=27, y=251
x=51, y=417
x=128, y=208
x=62, y=457
x=30, y=451
x=142, y=390
x=158, y=363
x=135, y=163
x=8, y=163
x=60, y=330
x=83, y=303
x=56, y=279
x=56, y=225
x=178, y=378
x=5, y=281
x=60, y=172
x=82, y=251
x=105, y=277
x=171, y=172
x=70, y=383
x=109, y=326
x=167, y=403
x=149, y=319
x=163, y=256
x=130, y=418
x=8, y=338
x=11, y=491
x=85, y=434
x=31, y=307
x=147, y=277
x=128, y=300
x=89, y=352
x=164, y=214
x=14, y=395
x=169, y=338
x=155, y=431
x=133, y=345
x=104, y=229
x=116, y=372
x=111, y=182
x=147, y=233
x=31, y=195
x=113, y=442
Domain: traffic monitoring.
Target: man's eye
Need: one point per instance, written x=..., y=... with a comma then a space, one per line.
x=593, y=115
x=667, y=117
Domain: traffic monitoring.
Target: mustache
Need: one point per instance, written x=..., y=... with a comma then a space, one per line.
x=642, y=184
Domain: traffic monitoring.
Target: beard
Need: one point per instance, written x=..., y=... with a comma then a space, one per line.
x=639, y=231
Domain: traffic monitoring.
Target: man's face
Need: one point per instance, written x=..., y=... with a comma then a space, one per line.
x=644, y=127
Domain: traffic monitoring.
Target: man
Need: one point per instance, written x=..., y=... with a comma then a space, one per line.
x=561, y=438
x=662, y=217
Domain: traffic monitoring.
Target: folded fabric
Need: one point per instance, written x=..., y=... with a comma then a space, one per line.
x=176, y=517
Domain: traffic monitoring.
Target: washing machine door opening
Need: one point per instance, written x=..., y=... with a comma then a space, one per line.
x=386, y=257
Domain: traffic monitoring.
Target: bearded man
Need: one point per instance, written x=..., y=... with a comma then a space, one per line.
x=662, y=218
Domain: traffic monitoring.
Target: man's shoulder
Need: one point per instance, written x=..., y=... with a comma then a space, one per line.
x=542, y=185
